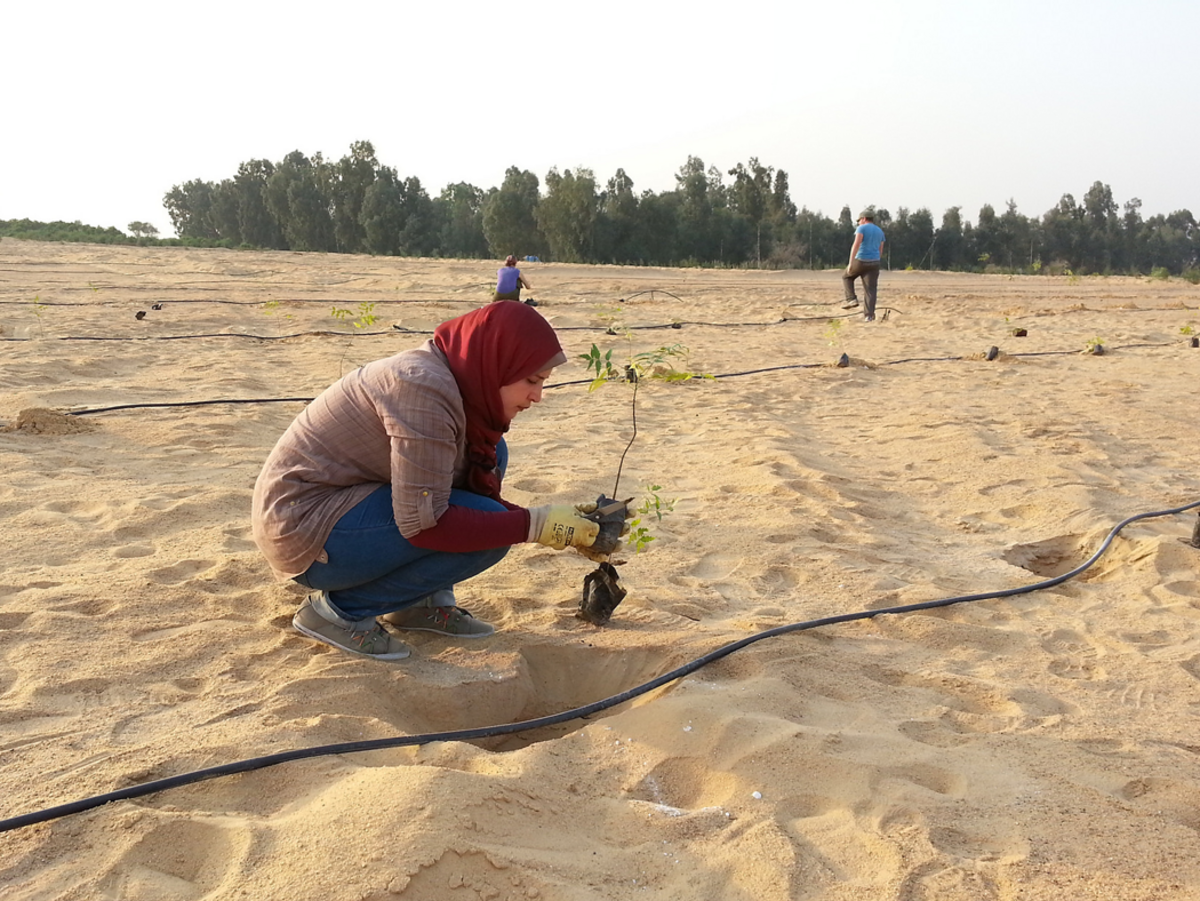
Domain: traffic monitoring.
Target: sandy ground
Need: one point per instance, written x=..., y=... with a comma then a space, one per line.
x=1038, y=746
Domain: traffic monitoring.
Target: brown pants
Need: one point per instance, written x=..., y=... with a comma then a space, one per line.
x=869, y=272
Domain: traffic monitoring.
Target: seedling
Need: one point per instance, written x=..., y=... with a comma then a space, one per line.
x=833, y=332
x=602, y=365
x=610, y=316
x=366, y=318
x=658, y=363
x=366, y=315
x=1187, y=330
x=1094, y=345
x=655, y=504
x=639, y=531
x=271, y=308
x=38, y=309
x=639, y=536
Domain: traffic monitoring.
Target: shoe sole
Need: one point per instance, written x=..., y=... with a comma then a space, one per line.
x=442, y=632
x=316, y=636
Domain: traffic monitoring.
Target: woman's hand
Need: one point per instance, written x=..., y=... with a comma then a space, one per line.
x=561, y=526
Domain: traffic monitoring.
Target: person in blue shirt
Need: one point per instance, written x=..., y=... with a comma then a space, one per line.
x=509, y=282
x=864, y=263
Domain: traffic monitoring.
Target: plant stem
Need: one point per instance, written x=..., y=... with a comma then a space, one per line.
x=620, y=466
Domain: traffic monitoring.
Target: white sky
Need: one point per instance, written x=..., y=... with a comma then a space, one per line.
x=937, y=103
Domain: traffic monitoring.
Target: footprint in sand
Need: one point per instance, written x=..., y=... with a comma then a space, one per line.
x=1073, y=655
x=178, y=860
x=716, y=566
x=179, y=573
x=936, y=881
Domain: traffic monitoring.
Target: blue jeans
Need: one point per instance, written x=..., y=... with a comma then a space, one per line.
x=373, y=569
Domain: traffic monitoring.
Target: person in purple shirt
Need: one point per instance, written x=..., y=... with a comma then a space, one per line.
x=509, y=281
x=865, y=256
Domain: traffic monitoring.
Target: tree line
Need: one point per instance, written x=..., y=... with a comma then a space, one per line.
x=739, y=217
x=743, y=216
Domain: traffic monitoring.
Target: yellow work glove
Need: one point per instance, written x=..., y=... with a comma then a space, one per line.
x=561, y=526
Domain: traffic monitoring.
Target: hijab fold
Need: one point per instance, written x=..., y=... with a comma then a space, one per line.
x=496, y=345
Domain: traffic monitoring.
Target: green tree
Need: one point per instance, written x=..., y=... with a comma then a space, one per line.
x=1101, y=236
x=658, y=228
x=819, y=242
x=950, y=245
x=695, y=227
x=510, y=216
x=258, y=226
x=297, y=195
x=142, y=230
x=567, y=214
x=352, y=176
x=1063, y=233
x=751, y=196
x=224, y=212
x=1016, y=238
x=617, y=222
x=189, y=205
x=846, y=222
x=382, y=215
x=910, y=237
x=418, y=235
x=1133, y=235
x=987, y=237
x=458, y=212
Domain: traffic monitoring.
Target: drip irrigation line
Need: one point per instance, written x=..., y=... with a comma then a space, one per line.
x=651, y=292
x=210, y=335
x=237, y=303
x=586, y=710
x=724, y=375
x=193, y=403
x=399, y=329
x=404, y=330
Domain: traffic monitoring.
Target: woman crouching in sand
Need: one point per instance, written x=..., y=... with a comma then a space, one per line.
x=385, y=491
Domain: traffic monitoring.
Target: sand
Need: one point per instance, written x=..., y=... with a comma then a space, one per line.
x=1036, y=746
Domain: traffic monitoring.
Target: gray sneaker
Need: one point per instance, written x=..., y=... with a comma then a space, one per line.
x=454, y=621
x=850, y=304
x=366, y=638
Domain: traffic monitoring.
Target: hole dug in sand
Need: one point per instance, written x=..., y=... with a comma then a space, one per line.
x=1048, y=559
x=551, y=679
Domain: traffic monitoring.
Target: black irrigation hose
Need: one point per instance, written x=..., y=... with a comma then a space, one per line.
x=724, y=375
x=412, y=331
x=322, y=334
x=258, y=763
x=193, y=403
x=651, y=292
x=235, y=303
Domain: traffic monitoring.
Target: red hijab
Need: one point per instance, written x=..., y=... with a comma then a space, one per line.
x=488, y=348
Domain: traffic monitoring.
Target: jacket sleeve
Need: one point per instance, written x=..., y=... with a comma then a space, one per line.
x=464, y=529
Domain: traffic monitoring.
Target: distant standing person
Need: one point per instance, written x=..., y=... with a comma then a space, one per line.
x=865, y=255
x=509, y=281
